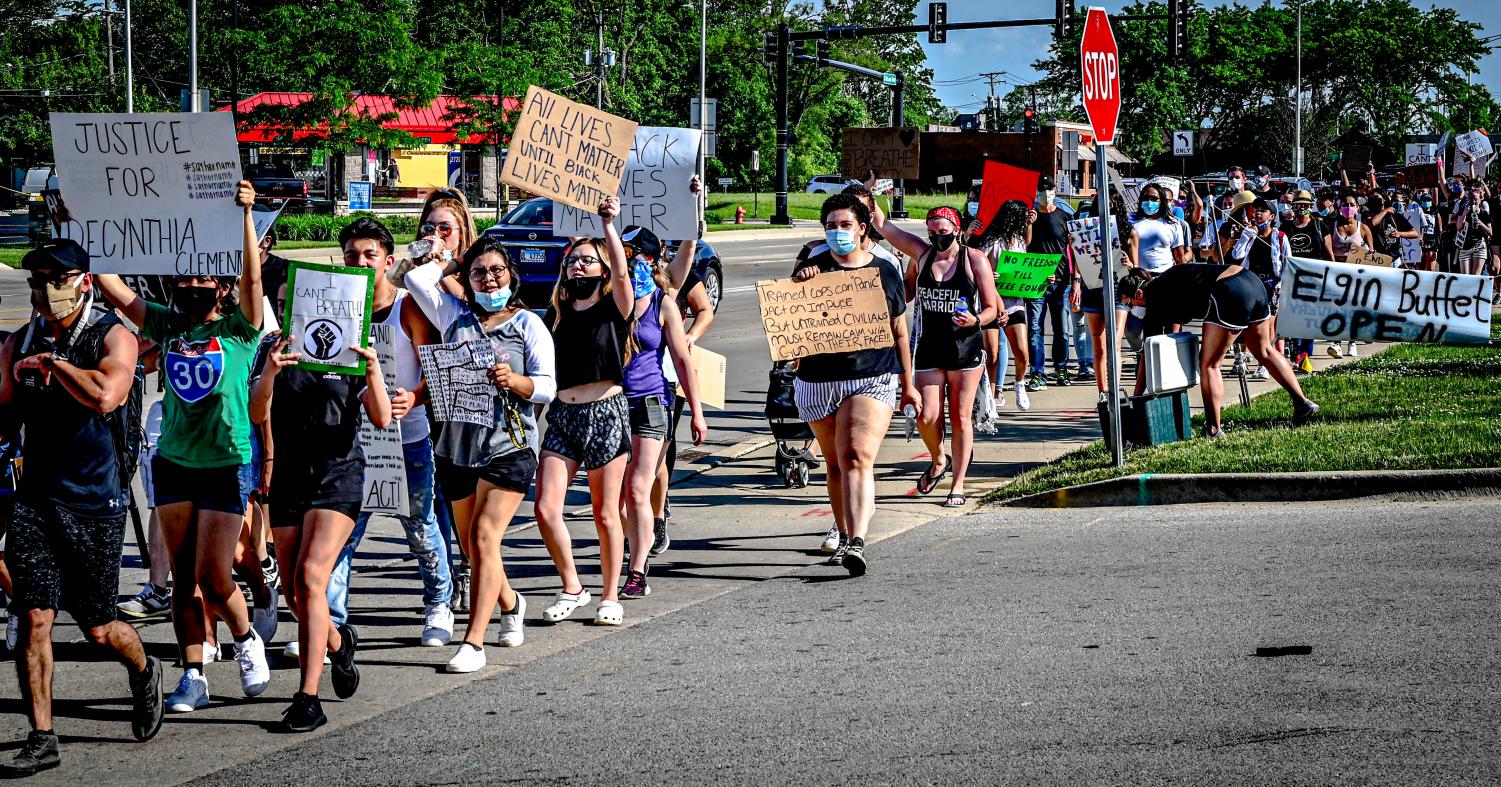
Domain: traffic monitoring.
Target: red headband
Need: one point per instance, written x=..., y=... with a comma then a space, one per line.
x=944, y=212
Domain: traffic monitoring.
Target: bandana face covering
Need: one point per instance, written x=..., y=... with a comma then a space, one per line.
x=642, y=282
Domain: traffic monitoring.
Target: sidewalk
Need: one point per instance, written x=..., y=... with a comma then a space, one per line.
x=734, y=524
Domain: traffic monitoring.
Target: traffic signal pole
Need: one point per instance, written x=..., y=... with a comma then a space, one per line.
x=781, y=216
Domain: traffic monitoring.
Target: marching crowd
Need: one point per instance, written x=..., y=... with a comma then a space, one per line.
x=625, y=314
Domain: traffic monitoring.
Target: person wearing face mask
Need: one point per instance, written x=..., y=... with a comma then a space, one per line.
x=67, y=376
x=1388, y=226
x=1472, y=230
x=1007, y=231
x=1433, y=221
x=1047, y=233
x=1349, y=233
x=970, y=216
x=657, y=326
x=486, y=471
x=1236, y=180
x=953, y=289
x=202, y=471
x=870, y=243
x=1156, y=242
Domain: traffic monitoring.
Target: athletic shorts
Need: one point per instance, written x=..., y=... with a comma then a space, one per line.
x=297, y=488
x=817, y=401
x=1239, y=301
x=224, y=489
x=1093, y=301
x=648, y=417
x=61, y=560
x=513, y=472
x=593, y=434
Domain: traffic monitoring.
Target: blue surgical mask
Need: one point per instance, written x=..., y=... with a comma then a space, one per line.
x=642, y=281
x=494, y=300
x=841, y=242
x=974, y=208
x=1149, y=207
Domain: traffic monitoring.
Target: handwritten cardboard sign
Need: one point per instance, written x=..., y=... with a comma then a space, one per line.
x=1084, y=241
x=1333, y=301
x=653, y=191
x=1420, y=153
x=835, y=312
x=1421, y=176
x=570, y=153
x=1360, y=255
x=328, y=312
x=1004, y=182
x=1474, y=145
x=385, y=462
x=1022, y=275
x=458, y=381
x=888, y=152
x=151, y=193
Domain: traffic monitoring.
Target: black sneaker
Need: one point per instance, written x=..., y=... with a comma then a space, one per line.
x=146, y=689
x=837, y=559
x=854, y=557
x=39, y=754
x=660, y=541
x=305, y=715
x=345, y=674
x=1304, y=411
x=1086, y=375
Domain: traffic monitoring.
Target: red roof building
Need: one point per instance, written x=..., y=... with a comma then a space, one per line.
x=434, y=122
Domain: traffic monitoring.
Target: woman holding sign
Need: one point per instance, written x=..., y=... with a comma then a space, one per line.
x=202, y=471
x=847, y=398
x=953, y=287
x=485, y=471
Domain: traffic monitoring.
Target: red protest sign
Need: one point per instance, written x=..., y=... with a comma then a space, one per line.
x=1003, y=182
x=1421, y=176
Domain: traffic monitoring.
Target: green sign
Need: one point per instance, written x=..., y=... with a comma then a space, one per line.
x=1022, y=275
x=319, y=156
x=328, y=312
x=889, y=79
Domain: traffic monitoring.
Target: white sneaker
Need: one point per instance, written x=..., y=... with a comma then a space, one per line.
x=1023, y=402
x=830, y=541
x=513, y=625
x=437, y=626
x=293, y=651
x=255, y=676
x=210, y=652
x=468, y=659
x=1351, y=350
x=565, y=604
x=1262, y=374
x=191, y=693
x=1334, y=350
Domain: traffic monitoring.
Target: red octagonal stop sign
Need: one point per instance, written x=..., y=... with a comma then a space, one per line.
x=1099, y=61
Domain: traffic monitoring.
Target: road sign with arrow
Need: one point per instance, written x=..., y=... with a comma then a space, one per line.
x=1183, y=143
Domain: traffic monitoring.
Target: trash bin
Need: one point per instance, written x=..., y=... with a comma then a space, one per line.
x=1153, y=419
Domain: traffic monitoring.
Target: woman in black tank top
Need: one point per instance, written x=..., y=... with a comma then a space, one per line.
x=955, y=294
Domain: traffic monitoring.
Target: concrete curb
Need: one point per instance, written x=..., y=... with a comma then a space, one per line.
x=1175, y=489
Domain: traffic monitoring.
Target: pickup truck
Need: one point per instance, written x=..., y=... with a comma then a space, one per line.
x=274, y=191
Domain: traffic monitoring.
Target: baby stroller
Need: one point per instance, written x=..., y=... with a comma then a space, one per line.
x=793, y=462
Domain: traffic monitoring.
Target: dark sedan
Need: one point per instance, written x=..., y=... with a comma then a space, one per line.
x=526, y=232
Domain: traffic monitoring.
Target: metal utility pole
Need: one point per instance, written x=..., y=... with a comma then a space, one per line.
x=130, y=71
x=784, y=32
x=599, y=59
x=109, y=39
x=193, y=103
x=1298, y=114
x=703, y=110
x=234, y=68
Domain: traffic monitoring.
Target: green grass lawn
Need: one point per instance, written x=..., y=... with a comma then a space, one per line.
x=10, y=256
x=1412, y=407
x=802, y=205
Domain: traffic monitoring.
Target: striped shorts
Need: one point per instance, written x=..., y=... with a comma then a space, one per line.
x=817, y=401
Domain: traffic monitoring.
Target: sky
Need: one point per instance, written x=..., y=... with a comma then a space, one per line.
x=1013, y=50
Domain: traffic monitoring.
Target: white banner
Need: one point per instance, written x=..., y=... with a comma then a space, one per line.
x=653, y=191
x=385, y=464
x=1084, y=240
x=1335, y=302
x=151, y=193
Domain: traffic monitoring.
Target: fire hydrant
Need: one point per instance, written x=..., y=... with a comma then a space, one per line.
x=740, y=214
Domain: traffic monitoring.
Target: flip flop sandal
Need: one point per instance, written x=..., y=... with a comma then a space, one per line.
x=609, y=613
x=955, y=501
x=927, y=481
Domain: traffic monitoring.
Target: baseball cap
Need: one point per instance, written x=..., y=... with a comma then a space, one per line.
x=1044, y=182
x=643, y=241
x=61, y=253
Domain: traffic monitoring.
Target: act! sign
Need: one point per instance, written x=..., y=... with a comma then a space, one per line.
x=654, y=191
x=1099, y=61
x=1333, y=301
x=151, y=193
x=570, y=153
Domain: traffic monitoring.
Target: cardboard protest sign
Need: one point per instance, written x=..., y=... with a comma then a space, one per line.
x=151, y=193
x=1004, y=182
x=835, y=312
x=385, y=463
x=653, y=191
x=1084, y=242
x=1023, y=275
x=1421, y=176
x=1474, y=145
x=1412, y=248
x=1420, y=153
x=458, y=381
x=264, y=218
x=1332, y=301
x=570, y=153
x=1360, y=255
x=328, y=312
x=1171, y=185
x=709, y=372
x=888, y=152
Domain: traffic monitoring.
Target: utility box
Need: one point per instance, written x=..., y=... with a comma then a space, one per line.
x=1153, y=419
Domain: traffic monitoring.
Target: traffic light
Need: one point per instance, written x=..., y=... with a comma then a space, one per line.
x=1177, y=27
x=1029, y=122
x=1064, y=19
x=769, y=51
x=823, y=51
x=938, y=19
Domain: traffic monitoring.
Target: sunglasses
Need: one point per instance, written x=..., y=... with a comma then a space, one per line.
x=56, y=280
x=449, y=193
x=443, y=228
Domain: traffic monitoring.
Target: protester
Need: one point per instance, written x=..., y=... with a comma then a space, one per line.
x=871, y=243
x=1473, y=230
x=68, y=376
x=1007, y=231
x=1263, y=249
x=1047, y=233
x=1349, y=233
x=848, y=398
x=1388, y=225
x=202, y=472
x=1091, y=302
x=1157, y=241
x=693, y=302
x=588, y=424
x=1307, y=238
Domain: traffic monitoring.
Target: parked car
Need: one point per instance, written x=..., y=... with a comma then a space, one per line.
x=526, y=234
x=828, y=184
x=276, y=191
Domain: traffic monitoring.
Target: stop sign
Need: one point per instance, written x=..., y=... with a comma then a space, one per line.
x=1099, y=63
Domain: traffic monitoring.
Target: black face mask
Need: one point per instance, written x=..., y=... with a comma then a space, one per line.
x=583, y=287
x=195, y=302
x=941, y=242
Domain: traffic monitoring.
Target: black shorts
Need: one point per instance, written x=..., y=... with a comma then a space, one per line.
x=648, y=417
x=298, y=488
x=61, y=560
x=513, y=472
x=591, y=433
x=1238, y=301
x=224, y=489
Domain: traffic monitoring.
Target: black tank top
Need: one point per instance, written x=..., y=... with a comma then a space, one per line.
x=1259, y=258
x=590, y=343
x=940, y=343
x=69, y=448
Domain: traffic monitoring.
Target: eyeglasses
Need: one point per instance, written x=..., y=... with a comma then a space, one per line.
x=480, y=275
x=56, y=279
x=442, y=228
x=575, y=260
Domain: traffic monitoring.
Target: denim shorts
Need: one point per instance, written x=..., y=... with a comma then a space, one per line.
x=648, y=417
x=224, y=489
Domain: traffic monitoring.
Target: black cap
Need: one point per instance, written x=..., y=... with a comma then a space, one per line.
x=57, y=253
x=1044, y=182
x=643, y=240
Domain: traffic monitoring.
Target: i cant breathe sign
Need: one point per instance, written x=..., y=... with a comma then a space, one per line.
x=151, y=193
x=1335, y=301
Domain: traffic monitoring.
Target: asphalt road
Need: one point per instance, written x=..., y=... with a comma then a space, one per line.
x=1109, y=646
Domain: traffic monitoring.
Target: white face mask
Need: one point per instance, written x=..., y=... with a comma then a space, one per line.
x=1045, y=197
x=1139, y=312
x=1237, y=184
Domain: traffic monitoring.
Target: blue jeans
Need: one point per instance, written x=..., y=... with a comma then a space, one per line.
x=423, y=538
x=1053, y=303
x=1083, y=341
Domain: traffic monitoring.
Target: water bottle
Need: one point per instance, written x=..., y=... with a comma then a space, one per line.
x=910, y=413
x=962, y=308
